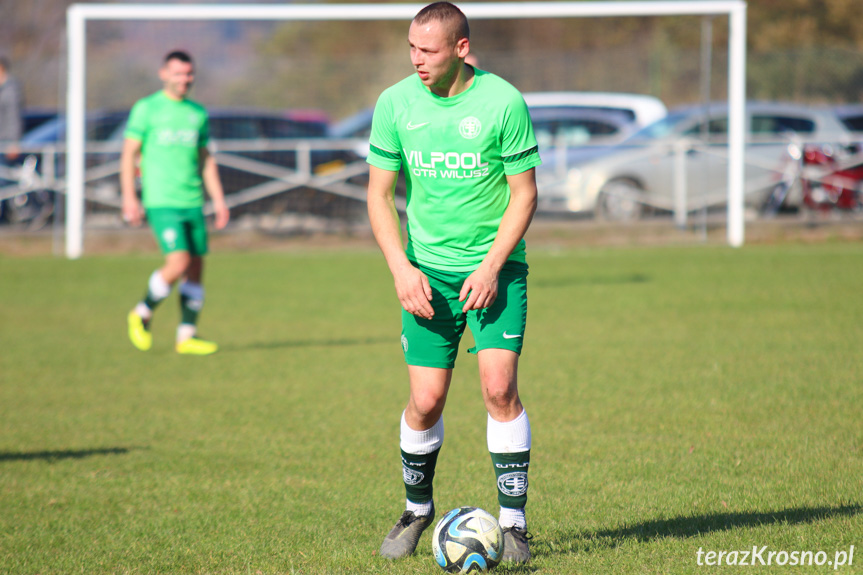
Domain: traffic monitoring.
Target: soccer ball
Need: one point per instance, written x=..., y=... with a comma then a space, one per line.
x=467, y=539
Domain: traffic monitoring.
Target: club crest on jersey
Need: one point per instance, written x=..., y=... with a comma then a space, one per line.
x=469, y=128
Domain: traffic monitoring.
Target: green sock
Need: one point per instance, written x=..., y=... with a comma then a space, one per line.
x=191, y=302
x=510, y=470
x=189, y=309
x=418, y=473
x=151, y=302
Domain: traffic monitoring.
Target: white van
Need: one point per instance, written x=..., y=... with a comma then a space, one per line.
x=639, y=109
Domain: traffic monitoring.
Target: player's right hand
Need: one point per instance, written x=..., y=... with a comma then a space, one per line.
x=414, y=292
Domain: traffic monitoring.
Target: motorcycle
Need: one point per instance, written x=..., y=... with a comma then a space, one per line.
x=832, y=177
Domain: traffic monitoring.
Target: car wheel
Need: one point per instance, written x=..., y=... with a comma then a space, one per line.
x=620, y=201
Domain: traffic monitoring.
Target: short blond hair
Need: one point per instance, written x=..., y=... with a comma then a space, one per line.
x=447, y=14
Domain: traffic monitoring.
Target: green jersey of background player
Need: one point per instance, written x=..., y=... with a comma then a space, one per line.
x=169, y=133
x=464, y=140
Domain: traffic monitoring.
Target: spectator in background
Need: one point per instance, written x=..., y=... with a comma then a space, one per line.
x=10, y=117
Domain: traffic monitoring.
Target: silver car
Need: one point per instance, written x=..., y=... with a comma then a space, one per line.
x=681, y=162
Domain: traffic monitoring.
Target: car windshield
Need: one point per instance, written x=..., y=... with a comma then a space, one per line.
x=571, y=132
x=662, y=129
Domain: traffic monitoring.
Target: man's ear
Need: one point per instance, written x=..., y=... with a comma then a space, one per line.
x=463, y=47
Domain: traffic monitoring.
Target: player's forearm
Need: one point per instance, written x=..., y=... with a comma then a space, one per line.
x=127, y=176
x=384, y=217
x=212, y=181
x=128, y=166
x=387, y=230
x=516, y=220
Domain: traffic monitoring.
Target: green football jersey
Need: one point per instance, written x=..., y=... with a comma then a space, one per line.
x=456, y=153
x=171, y=133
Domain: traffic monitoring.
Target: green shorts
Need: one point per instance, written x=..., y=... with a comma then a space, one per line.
x=179, y=229
x=434, y=342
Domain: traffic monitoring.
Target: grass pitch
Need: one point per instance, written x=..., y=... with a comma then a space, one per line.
x=682, y=399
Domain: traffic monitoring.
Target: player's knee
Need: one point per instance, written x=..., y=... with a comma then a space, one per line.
x=428, y=404
x=499, y=396
x=178, y=261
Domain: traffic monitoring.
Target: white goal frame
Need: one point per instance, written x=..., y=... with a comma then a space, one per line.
x=78, y=15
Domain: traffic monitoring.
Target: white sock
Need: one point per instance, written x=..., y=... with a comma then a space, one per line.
x=512, y=518
x=185, y=331
x=509, y=436
x=143, y=311
x=159, y=288
x=419, y=508
x=421, y=442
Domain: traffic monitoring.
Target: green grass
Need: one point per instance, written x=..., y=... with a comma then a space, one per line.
x=680, y=399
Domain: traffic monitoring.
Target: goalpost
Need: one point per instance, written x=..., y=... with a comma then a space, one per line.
x=78, y=15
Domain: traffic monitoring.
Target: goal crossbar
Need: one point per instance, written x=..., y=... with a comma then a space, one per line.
x=78, y=15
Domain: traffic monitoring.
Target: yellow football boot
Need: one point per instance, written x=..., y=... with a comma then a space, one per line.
x=195, y=346
x=139, y=335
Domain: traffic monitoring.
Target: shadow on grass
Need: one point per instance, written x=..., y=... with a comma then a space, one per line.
x=298, y=343
x=690, y=526
x=589, y=281
x=52, y=456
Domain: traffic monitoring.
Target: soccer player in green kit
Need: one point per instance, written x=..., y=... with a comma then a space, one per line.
x=465, y=141
x=170, y=133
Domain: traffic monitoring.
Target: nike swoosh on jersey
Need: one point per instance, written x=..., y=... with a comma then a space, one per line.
x=412, y=126
x=508, y=336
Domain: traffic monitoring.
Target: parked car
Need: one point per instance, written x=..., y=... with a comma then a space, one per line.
x=638, y=109
x=241, y=136
x=35, y=117
x=571, y=127
x=231, y=128
x=851, y=115
x=638, y=175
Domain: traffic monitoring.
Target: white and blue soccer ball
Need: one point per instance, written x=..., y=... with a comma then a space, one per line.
x=467, y=539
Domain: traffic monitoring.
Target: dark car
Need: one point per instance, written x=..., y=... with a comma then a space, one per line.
x=265, y=155
x=249, y=147
x=35, y=117
x=254, y=148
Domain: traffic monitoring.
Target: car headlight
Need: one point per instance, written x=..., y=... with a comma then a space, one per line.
x=573, y=179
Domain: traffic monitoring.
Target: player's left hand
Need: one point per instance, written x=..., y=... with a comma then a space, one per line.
x=479, y=289
x=223, y=214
